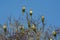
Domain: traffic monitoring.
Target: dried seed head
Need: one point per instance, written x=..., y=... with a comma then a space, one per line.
x=31, y=12
x=34, y=27
x=23, y=9
x=50, y=39
x=21, y=27
x=4, y=26
x=54, y=33
x=42, y=18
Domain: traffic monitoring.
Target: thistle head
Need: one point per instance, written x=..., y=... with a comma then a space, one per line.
x=23, y=9
x=54, y=33
x=33, y=27
x=50, y=39
x=4, y=27
x=31, y=12
x=42, y=18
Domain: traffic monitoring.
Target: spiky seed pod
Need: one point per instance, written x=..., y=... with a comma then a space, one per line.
x=54, y=33
x=31, y=12
x=34, y=27
x=4, y=27
x=23, y=9
x=42, y=19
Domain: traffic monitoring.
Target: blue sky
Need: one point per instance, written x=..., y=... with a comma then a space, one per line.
x=49, y=8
